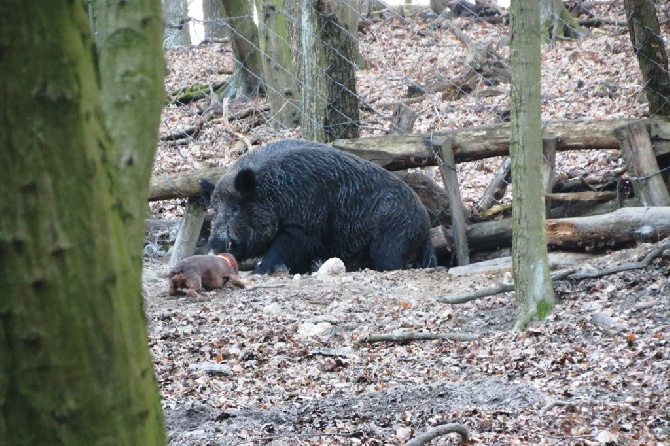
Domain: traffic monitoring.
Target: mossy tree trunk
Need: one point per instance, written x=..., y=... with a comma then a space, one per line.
x=278, y=68
x=247, y=79
x=74, y=364
x=534, y=293
x=556, y=21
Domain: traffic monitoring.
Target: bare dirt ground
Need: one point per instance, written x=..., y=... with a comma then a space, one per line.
x=281, y=363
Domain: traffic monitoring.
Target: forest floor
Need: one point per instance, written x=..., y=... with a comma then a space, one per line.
x=282, y=362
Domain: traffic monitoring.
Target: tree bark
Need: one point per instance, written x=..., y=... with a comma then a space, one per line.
x=278, y=68
x=247, y=79
x=645, y=35
x=329, y=102
x=175, y=14
x=214, y=24
x=556, y=21
x=534, y=293
x=75, y=365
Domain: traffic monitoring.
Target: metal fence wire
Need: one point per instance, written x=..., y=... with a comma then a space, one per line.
x=418, y=69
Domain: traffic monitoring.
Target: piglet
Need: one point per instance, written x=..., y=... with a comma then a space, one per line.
x=204, y=272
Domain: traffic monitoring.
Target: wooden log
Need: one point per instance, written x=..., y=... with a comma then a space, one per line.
x=622, y=226
x=490, y=235
x=440, y=237
x=556, y=260
x=189, y=232
x=598, y=232
x=403, y=119
x=183, y=184
x=643, y=169
x=396, y=152
x=496, y=190
x=458, y=223
x=580, y=197
x=548, y=166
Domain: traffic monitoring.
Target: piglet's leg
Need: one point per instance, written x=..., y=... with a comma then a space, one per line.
x=293, y=249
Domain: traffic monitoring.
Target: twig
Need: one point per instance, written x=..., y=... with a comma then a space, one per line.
x=406, y=337
x=440, y=430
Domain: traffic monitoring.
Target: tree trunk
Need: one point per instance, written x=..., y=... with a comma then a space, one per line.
x=329, y=101
x=280, y=81
x=175, y=14
x=247, y=79
x=75, y=366
x=534, y=293
x=645, y=35
x=214, y=23
x=556, y=21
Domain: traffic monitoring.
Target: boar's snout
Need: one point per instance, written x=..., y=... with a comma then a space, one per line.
x=222, y=242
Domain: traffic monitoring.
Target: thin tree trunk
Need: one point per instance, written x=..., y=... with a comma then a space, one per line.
x=645, y=35
x=214, y=25
x=329, y=102
x=175, y=14
x=534, y=293
x=75, y=368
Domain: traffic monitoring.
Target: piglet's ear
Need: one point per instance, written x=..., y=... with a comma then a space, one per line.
x=206, y=189
x=245, y=182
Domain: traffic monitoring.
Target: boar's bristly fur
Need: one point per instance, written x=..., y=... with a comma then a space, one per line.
x=296, y=203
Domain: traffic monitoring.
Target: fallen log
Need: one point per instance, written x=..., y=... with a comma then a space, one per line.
x=183, y=184
x=395, y=152
x=597, y=232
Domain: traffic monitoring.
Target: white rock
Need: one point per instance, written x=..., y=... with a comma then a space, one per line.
x=330, y=269
x=273, y=308
x=312, y=329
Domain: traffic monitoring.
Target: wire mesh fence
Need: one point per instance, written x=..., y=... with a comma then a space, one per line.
x=416, y=72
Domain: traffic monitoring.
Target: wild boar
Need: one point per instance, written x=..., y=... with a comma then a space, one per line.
x=297, y=203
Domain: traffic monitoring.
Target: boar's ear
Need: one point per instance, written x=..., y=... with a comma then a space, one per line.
x=206, y=189
x=245, y=182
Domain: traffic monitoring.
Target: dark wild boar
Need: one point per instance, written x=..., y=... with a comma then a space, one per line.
x=203, y=272
x=297, y=203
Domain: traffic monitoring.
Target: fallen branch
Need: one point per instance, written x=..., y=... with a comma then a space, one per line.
x=467, y=297
x=569, y=273
x=663, y=246
x=407, y=337
x=440, y=430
